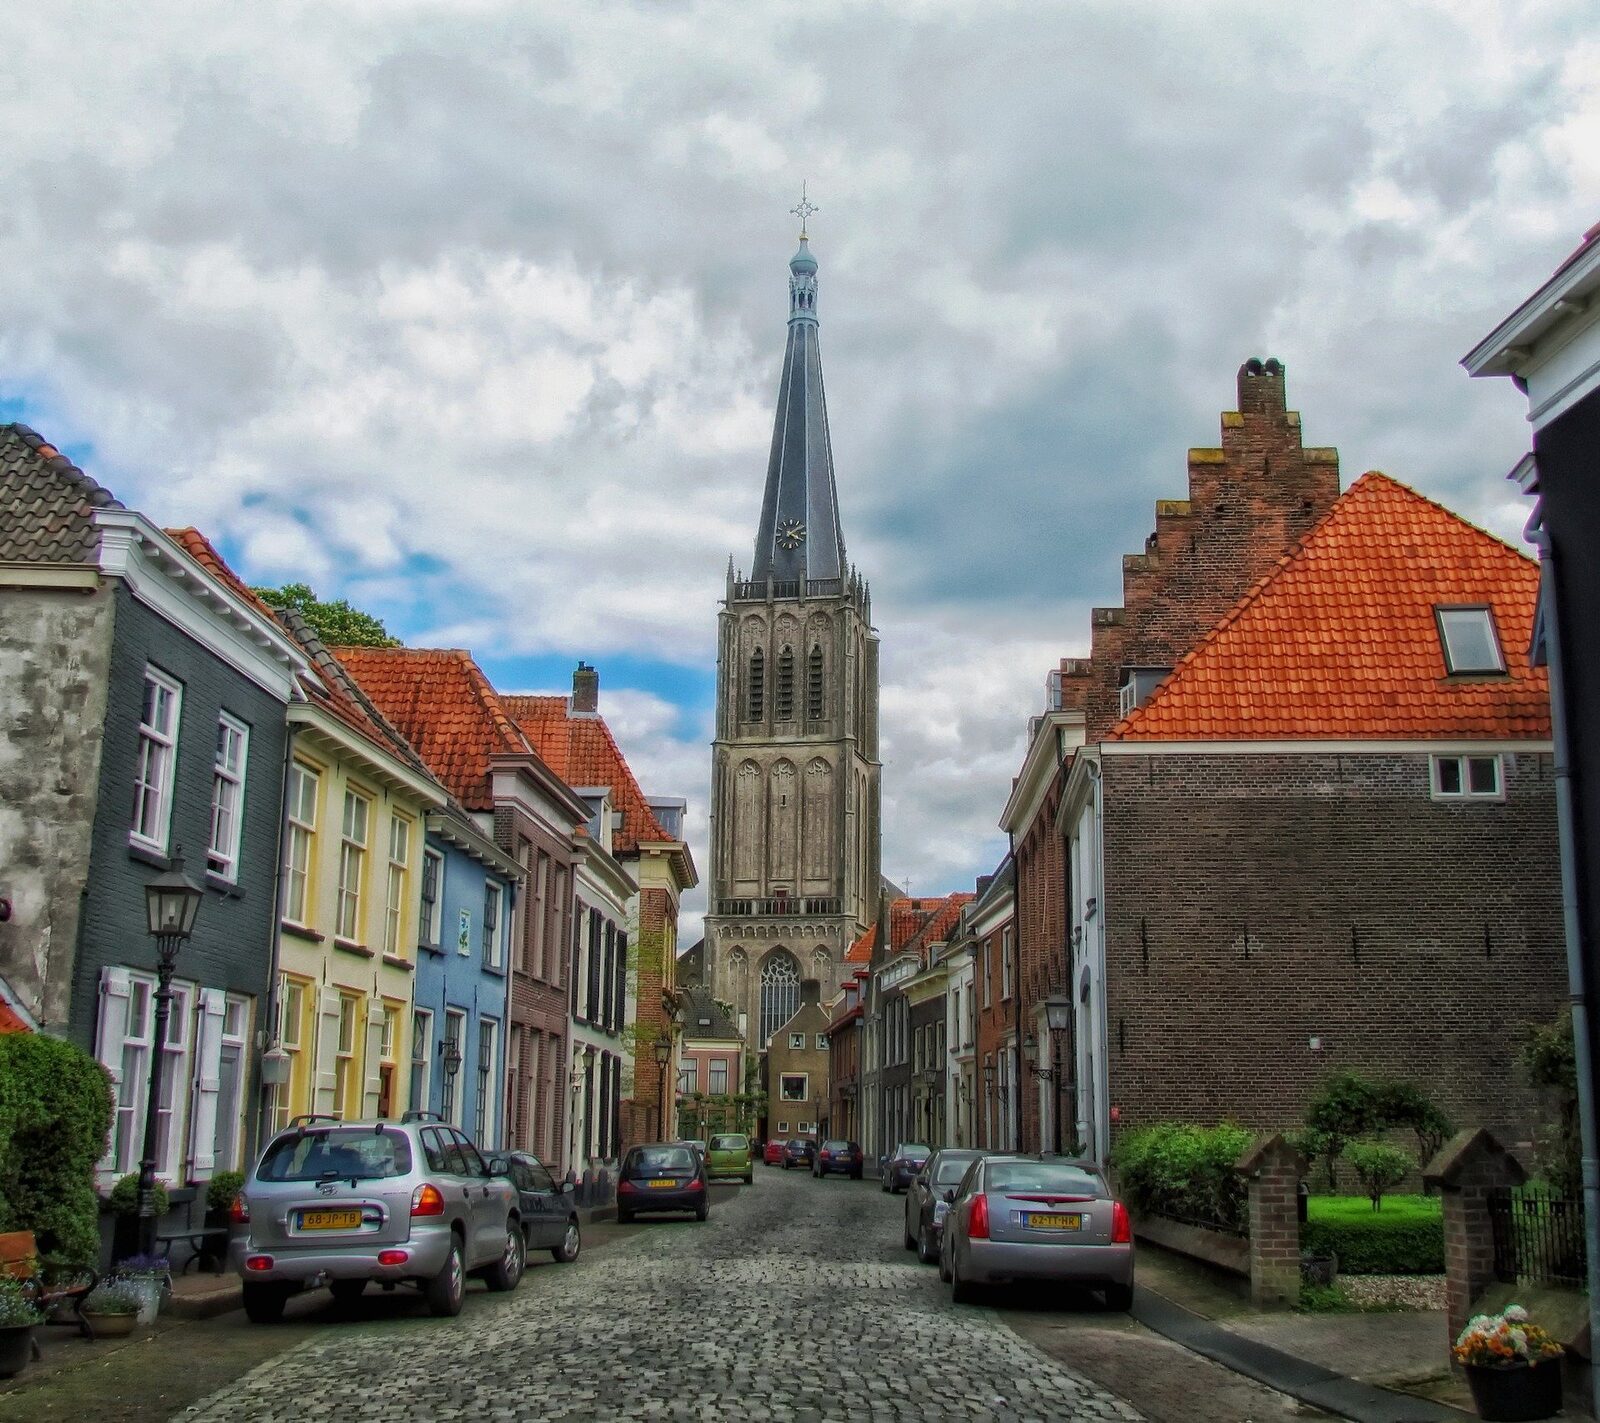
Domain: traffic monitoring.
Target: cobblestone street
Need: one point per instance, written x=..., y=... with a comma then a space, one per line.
x=794, y=1301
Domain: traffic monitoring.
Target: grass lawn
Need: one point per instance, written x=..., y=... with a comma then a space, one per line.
x=1358, y=1208
x=1405, y=1237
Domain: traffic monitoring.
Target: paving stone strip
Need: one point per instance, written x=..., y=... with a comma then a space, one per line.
x=794, y=1302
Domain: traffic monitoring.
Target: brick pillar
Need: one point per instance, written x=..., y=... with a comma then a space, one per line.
x=1465, y=1170
x=1273, y=1169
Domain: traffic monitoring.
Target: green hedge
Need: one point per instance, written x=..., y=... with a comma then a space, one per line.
x=1406, y=1237
x=1185, y=1171
x=55, y=1110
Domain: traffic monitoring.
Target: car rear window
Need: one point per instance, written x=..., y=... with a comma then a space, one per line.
x=349, y=1153
x=1043, y=1176
x=912, y=1149
x=951, y=1169
x=836, y=1146
x=729, y=1143
x=662, y=1158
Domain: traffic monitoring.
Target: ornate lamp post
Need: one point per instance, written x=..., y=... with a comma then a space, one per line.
x=1058, y=1018
x=171, y=902
x=663, y=1057
x=450, y=1062
x=988, y=1101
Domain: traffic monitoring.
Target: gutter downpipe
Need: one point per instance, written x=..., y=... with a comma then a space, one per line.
x=1583, y=1034
x=1016, y=990
x=269, y=1028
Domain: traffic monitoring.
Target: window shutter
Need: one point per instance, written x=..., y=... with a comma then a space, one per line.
x=373, y=1089
x=110, y=1034
x=207, y=1080
x=327, y=1065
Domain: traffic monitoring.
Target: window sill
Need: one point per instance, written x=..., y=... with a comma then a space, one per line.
x=146, y=855
x=223, y=886
x=351, y=947
x=497, y=970
x=432, y=949
x=300, y=931
x=395, y=961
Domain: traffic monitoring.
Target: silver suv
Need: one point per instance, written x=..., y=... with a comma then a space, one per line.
x=344, y=1203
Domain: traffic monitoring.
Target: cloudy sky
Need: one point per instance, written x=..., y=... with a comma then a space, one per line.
x=472, y=312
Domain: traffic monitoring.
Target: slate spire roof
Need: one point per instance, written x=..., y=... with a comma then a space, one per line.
x=799, y=537
x=1340, y=640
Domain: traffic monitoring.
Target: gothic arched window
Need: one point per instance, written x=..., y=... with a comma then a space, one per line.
x=780, y=992
x=785, y=707
x=814, y=701
x=756, y=692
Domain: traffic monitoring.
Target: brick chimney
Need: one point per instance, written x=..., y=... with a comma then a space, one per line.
x=984, y=881
x=811, y=990
x=586, y=689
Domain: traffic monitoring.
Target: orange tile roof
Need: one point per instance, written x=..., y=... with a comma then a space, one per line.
x=861, y=950
x=582, y=751
x=10, y=1020
x=444, y=706
x=200, y=549
x=1339, y=641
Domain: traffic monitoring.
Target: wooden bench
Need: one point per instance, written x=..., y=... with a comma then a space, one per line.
x=19, y=1258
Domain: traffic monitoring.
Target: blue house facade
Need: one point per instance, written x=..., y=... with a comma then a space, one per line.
x=459, y=1020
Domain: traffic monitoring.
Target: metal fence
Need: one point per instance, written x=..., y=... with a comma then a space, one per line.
x=1538, y=1237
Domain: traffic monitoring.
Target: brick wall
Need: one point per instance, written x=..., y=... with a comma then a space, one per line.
x=655, y=969
x=1285, y=898
x=996, y=1026
x=1041, y=931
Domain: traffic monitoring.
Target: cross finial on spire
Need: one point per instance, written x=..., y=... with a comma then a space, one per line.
x=803, y=211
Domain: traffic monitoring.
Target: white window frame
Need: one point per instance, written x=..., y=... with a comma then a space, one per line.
x=822, y=1042
x=1005, y=963
x=394, y=910
x=344, y=1055
x=227, y=797
x=988, y=965
x=298, y=857
x=488, y=1048
x=712, y=1068
x=172, y=1135
x=805, y=1086
x=1443, y=613
x=420, y=1080
x=155, y=764
x=291, y=1038
x=688, y=1077
x=783, y=1128
x=352, y=865
x=235, y=1034
x=133, y=1090
x=797, y=1042
x=1463, y=763
x=435, y=910
x=456, y=1086
x=494, y=925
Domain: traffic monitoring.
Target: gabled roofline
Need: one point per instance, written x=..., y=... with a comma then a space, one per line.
x=1046, y=750
x=338, y=738
x=457, y=828
x=1565, y=297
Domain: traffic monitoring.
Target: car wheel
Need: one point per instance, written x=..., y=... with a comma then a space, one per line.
x=346, y=1291
x=925, y=1250
x=750, y=1180
x=445, y=1291
x=702, y=1212
x=883, y=1185
x=263, y=1304
x=944, y=1268
x=909, y=1241
x=1119, y=1297
x=624, y=1217
x=506, y=1272
x=855, y=1175
x=571, y=1243
x=960, y=1291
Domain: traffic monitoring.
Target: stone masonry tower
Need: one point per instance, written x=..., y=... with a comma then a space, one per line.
x=794, y=767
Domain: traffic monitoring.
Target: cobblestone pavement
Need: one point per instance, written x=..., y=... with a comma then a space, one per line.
x=794, y=1302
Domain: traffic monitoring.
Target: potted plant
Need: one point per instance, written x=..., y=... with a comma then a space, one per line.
x=220, y=1193
x=123, y=1203
x=149, y=1276
x=112, y=1308
x=19, y=1316
x=1513, y=1367
x=1318, y=1269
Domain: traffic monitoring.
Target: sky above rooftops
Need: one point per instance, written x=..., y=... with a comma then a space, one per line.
x=473, y=313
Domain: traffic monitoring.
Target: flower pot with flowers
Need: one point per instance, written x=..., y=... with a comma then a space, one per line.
x=151, y=1277
x=112, y=1308
x=1513, y=1367
x=19, y=1316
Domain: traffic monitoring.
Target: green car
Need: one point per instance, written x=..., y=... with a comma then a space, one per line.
x=729, y=1155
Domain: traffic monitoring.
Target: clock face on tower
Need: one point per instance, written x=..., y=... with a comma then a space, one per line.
x=791, y=533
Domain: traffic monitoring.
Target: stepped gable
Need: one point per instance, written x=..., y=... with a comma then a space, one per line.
x=579, y=747
x=445, y=707
x=47, y=503
x=1339, y=641
x=1250, y=500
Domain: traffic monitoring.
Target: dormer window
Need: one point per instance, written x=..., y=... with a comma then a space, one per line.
x=1470, y=641
x=1138, y=685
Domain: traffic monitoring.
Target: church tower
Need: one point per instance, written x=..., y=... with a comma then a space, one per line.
x=794, y=770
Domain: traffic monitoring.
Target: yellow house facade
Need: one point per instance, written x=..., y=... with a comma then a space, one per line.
x=350, y=899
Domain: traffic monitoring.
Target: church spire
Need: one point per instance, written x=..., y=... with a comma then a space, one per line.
x=799, y=538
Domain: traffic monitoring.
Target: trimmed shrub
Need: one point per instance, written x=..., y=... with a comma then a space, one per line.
x=1348, y=1106
x=1378, y=1166
x=222, y=1188
x=55, y=1111
x=1405, y=1238
x=124, y=1197
x=1186, y=1172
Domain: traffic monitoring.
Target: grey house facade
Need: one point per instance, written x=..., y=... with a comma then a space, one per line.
x=149, y=718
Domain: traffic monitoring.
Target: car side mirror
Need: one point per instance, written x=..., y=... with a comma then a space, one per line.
x=568, y=1188
x=499, y=1165
x=950, y=1196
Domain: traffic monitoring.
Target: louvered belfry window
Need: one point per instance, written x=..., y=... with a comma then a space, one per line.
x=756, y=693
x=814, y=701
x=786, y=684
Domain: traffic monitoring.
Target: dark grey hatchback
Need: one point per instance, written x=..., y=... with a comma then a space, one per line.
x=549, y=1210
x=662, y=1178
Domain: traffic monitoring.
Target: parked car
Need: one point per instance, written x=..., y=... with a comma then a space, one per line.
x=928, y=1199
x=902, y=1164
x=728, y=1155
x=1027, y=1218
x=772, y=1153
x=838, y=1156
x=698, y=1147
x=663, y=1177
x=798, y=1153
x=342, y=1204
x=549, y=1210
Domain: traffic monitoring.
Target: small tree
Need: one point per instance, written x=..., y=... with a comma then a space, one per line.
x=1343, y=1109
x=1378, y=1166
x=336, y=623
x=1550, y=1060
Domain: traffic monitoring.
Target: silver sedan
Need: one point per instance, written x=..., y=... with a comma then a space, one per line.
x=1019, y=1219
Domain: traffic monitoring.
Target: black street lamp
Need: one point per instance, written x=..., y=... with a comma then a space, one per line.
x=988, y=1100
x=1058, y=1018
x=663, y=1057
x=450, y=1062
x=171, y=903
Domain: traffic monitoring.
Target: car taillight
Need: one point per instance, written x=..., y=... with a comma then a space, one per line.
x=258, y=1262
x=427, y=1199
x=978, y=1218
x=626, y=1187
x=1121, y=1226
x=393, y=1257
x=826, y=1156
x=239, y=1210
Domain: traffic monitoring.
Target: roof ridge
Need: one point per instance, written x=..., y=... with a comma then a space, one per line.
x=96, y=493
